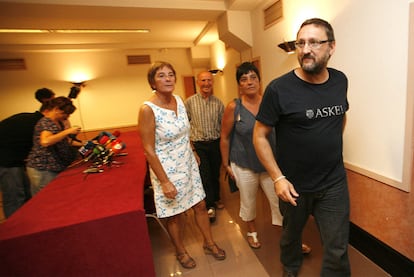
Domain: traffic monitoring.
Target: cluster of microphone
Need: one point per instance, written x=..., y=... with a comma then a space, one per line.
x=102, y=148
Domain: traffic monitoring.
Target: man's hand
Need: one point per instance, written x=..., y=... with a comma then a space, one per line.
x=285, y=191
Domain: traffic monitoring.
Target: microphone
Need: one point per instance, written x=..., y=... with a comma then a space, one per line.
x=104, y=140
x=114, y=135
x=98, y=137
x=106, y=147
x=74, y=138
x=109, y=143
x=108, y=134
x=117, y=147
x=86, y=148
x=97, y=152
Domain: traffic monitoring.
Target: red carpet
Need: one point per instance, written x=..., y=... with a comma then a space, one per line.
x=83, y=225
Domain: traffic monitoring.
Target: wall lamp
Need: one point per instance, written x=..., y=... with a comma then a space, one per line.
x=288, y=46
x=215, y=71
x=76, y=89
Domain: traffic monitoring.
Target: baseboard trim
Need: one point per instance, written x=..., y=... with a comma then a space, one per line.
x=391, y=261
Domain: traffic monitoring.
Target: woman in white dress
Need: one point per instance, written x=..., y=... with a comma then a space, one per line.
x=164, y=129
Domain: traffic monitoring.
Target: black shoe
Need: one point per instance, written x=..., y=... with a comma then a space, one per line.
x=287, y=273
x=211, y=214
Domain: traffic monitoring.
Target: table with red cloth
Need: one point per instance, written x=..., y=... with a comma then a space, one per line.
x=83, y=224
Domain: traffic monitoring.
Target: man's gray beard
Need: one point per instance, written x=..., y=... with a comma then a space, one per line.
x=315, y=69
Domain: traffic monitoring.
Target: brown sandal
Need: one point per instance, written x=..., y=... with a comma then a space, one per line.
x=215, y=251
x=185, y=260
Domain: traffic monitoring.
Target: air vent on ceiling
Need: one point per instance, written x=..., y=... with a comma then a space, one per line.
x=139, y=59
x=12, y=64
x=273, y=14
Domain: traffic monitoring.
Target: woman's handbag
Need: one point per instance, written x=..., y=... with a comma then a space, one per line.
x=232, y=183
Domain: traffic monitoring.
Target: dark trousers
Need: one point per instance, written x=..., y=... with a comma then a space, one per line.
x=330, y=209
x=209, y=153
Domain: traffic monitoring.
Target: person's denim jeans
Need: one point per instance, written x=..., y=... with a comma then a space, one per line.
x=330, y=209
x=39, y=178
x=15, y=188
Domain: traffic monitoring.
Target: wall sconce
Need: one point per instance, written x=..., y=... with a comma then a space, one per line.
x=215, y=71
x=76, y=89
x=288, y=46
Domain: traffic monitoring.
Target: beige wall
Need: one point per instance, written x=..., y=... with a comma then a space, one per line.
x=113, y=93
x=114, y=90
x=225, y=86
x=374, y=137
x=375, y=131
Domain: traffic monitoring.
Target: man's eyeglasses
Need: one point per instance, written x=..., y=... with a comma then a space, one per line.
x=313, y=44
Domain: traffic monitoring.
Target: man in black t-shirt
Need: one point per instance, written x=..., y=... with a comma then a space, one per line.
x=307, y=109
x=16, y=141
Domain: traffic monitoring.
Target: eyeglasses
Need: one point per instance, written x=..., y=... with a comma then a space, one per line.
x=313, y=44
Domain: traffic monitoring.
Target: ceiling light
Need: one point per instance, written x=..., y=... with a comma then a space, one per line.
x=99, y=31
x=288, y=46
x=76, y=31
x=23, y=31
x=215, y=71
x=76, y=89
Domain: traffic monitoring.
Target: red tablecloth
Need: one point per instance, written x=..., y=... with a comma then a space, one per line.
x=83, y=225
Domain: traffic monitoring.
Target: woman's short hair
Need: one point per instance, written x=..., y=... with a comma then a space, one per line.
x=62, y=103
x=245, y=68
x=153, y=70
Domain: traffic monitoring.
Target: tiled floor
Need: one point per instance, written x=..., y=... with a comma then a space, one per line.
x=240, y=260
x=229, y=232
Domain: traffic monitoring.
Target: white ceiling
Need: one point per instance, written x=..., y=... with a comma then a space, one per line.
x=174, y=23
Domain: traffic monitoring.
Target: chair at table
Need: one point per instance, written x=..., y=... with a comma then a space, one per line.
x=149, y=205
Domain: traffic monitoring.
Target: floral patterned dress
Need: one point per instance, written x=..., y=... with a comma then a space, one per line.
x=55, y=157
x=172, y=146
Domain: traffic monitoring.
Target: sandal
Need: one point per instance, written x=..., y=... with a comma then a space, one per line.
x=306, y=249
x=252, y=240
x=185, y=260
x=215, y=251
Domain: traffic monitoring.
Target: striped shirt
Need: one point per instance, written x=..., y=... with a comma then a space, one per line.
x=205, y=117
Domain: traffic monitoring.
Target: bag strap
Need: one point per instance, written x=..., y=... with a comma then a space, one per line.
x=236, y=115
x=231, y=182
x=237, y=109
